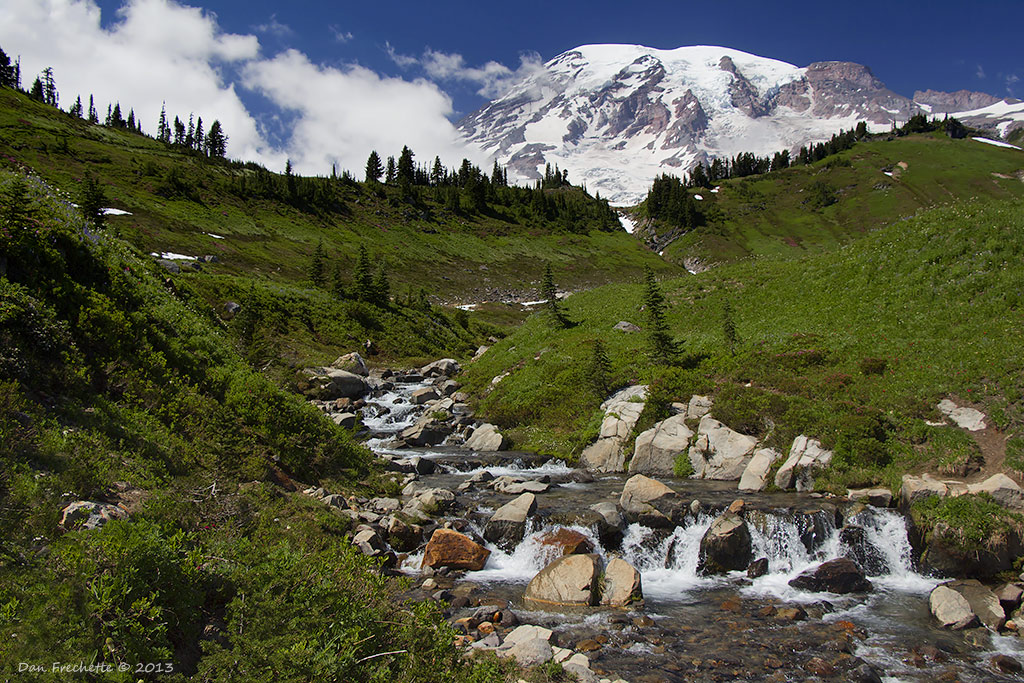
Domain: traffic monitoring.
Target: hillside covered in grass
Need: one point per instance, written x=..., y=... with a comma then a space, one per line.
x=118, y=387
x=854, y=346
x=451, y=232
x=804, y=209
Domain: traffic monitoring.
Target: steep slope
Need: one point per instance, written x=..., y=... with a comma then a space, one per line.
x=617, y=115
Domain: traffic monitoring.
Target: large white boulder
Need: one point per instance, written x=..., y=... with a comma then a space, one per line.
x=755, y=476
x=656, y=449
x=621, y=413
x=720, y=453
x=966, y=418
x=486, y=438
x=805, y=456
x=569, y=580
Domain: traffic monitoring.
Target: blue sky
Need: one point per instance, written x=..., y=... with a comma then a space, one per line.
x=324, y=82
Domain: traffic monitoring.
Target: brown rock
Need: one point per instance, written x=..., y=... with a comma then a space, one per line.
x=1006, y=664
x=791, y=614
x=588, y=645
x=736, y=507
x=449, y=548
x=819, y=667
x=566, y=542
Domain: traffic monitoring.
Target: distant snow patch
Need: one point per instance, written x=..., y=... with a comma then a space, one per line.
x=628, y=224
x=997, y=143
x=888, y=173
x=216, y=237
x=715, y=190
x=467, y=307
x=115, y=212
x=171, y=256
x=698, y=197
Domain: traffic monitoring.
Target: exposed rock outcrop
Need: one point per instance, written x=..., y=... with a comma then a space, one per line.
x=720, y=452
x=569, y=580
x=507, y=525
x=486, y=438
x=841, y=575
x=621, y=413
x=656, y=449
x=725, y=546
x=755, y=476
x=448, y=548
x=651, y=503
x=805, y=456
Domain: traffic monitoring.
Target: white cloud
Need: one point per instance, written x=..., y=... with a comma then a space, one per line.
x=159, y=50
x=494, y=79
x=343, y=114
x=274, y=27
x=404, y=61
x=980, y=73
x=339, y=35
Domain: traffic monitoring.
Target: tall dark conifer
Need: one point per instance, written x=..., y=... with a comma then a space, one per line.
x=374, y=168
x=663, y=349
x=550, y=295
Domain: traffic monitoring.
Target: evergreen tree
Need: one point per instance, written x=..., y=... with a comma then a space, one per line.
x=199, y=143
x=163, y=131
x=729, y=328
x=289, y=178
x=389, y=174
x=550, y=296
x=91, y=201
x=661, y=345
x=50, y=94
x=216, y=141
x=36, y=92
x=179, y=131
x=405, y=170
x=76, y=109
x=363, y=277
x=190, y=135
x=7, y=79
x=94, y=116
x=114, y=118
x=317, y=265
x=17, y=212
x=374, y=168
x=437, y=173
x=599, y=370
x=131, y=119
x=381, y=286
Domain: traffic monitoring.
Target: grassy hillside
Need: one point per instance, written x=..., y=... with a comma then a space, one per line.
x=179, y=202
x=853, y=346
x=116, y=386
x=812, y=208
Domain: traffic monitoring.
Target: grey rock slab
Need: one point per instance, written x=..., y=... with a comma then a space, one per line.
x=755, y=476
x=656, y=449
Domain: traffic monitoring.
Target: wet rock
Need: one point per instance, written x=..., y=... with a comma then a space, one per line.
x=755, y=476
x=805, y=456
x=327, y=384
x=508, y=524
x=435, y=499
x=448, y=548
x=791, y=614
x=611, y=525
x=819, y=667
x=1009, y=595
x=840, y=575
x=429, y=433
x=1006, y=664
x=951, y=609
x=622, y=584
x=725, y=546
x=945, y=553
x=621, y=413
x=84, y=514
x=966, y=418
x=352, y=362
x=514, y=486
x=424, y=395
x=446, y=367
x=983, y=602
x=757, y=568
x=422, y=465
x=859, y=549
x=569, y=580
x=656, y=449
x=651, y=503
x=878, y=497
x=486, y=438
x=720, y=453
x=402, y=537
x=345, y=420
x=564, y=541
x=698, y=407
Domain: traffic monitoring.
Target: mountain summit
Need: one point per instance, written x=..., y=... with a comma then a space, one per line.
x=615, y=116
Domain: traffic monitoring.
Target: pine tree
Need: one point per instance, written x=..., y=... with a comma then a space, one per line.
x=199, y=143
x=190, y=136
x=381, y=286
x=91, y=201
x=317, y=265
x=17, y=212
x=163, y=131
x=550, y=296
x=663, y=348
x=599, y=370
x=362, y=276
x=94, y=116
x=729, y=328
x=131, y=119
x=6, y=71
x=437, y=174
x=374, y=168
x=216, y=141
x=36, y=92
x=76, y=109
x=389, y=174
x=405, y=171
x=50, y=94
x=179, y=131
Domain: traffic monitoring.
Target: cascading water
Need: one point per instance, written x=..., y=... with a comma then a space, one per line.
x=392, y=411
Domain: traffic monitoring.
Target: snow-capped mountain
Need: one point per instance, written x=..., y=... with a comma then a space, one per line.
x=615, y=116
